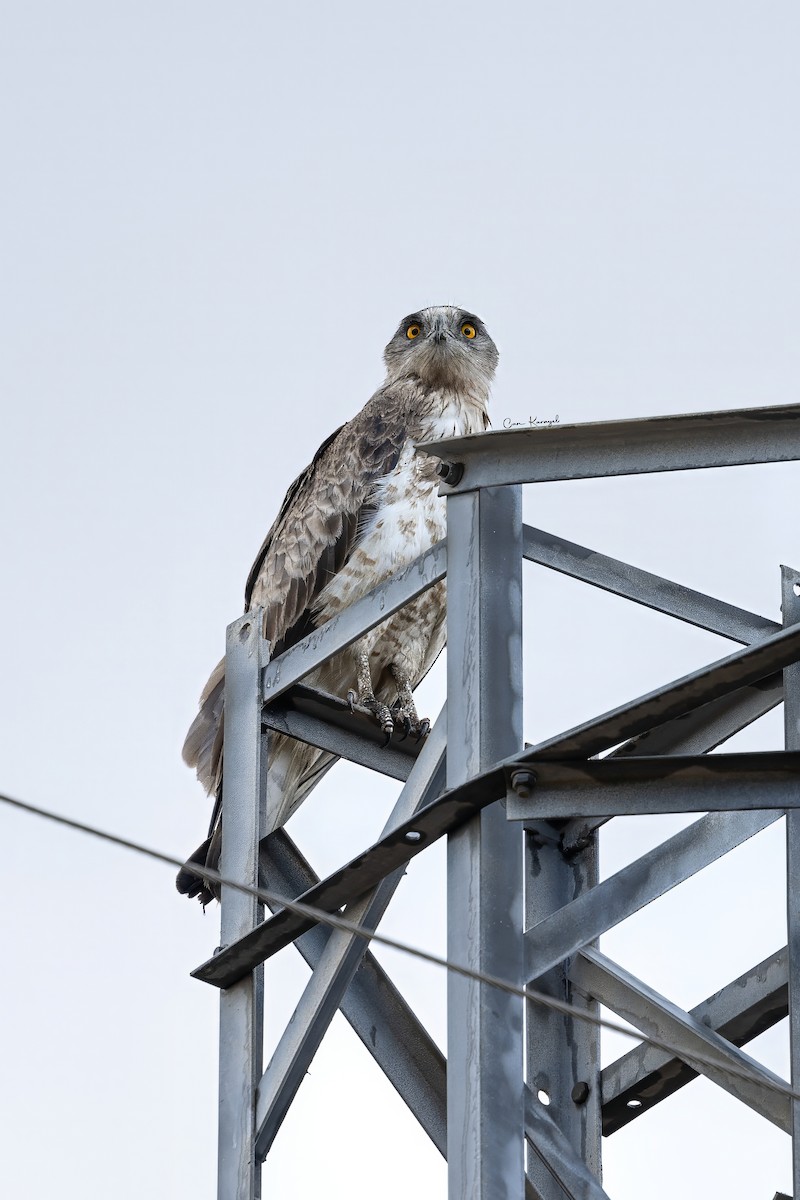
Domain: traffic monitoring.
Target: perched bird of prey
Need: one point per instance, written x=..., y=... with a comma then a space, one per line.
x=365, y=507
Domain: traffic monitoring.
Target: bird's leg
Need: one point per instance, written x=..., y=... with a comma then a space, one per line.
x=366, y=696
x=406, y=706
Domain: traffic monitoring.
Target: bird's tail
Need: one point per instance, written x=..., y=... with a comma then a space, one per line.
x=293, y=770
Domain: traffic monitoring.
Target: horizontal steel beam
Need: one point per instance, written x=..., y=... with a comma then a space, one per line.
x=354, y=621
x=599, y=909
x=322, y=720
x=739, y=1012
x=372, y=1005
x=457, y=806
x=710, y=682
x=674, y=783
x=597, y=976
x=652, y=591
x=696, y=732
x=595, y=449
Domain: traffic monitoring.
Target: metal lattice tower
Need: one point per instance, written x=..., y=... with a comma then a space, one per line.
x=522, y=824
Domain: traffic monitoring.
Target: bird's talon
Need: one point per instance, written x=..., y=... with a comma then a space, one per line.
x=423, y=729
x=407, y=726
x=387, y=738
x=351, y=700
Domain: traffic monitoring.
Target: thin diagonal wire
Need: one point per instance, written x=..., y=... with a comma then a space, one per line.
x=335, y=921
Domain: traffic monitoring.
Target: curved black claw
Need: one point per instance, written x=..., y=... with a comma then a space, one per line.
x=423, y=729
x=387, y=738
x=351, y=700
x=407, y=726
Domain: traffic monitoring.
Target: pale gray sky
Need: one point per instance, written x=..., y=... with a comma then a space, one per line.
x=213, y=217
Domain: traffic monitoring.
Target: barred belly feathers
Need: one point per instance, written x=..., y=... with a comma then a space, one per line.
x=365, y=507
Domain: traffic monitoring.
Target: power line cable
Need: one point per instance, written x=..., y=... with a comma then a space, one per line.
x=335, y=921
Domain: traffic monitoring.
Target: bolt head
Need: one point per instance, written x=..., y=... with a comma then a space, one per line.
x=450, y=473
x=580, y=1092
x=523, y=782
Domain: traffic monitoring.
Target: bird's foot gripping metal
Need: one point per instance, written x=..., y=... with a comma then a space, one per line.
x=381, y=712
x=405, y=710
x=410, y=723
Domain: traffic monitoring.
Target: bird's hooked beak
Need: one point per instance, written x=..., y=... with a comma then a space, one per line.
x=440, y=333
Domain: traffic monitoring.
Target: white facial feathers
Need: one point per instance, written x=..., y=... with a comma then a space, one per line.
x=444, y=346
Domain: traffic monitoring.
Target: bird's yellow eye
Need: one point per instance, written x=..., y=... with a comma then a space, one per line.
x=468, y=330
x=412, y=332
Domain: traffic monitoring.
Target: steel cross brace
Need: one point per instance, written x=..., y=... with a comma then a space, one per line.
x=702, y=440
x=546, y=549
x=397, y=1040
x=456, y=806
x=560, y=935
x=740, y=1011
x=700, y=1047
x=339, y=961
x=414, y=1065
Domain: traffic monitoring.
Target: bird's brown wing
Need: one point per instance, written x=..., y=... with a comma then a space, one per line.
x=321, y=518
x=312, y=538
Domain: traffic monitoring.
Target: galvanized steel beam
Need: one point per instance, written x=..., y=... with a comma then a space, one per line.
x=327, y=722
x=354, y=621
x=377, y=1013
x=668, y=784
x=642, y=587
x=598, y=449
x=717, y=679
x=790, y=596
x=454, y=807
x=485, y=1131
x=696, y=732
x=241, y=1005
x=738, y=1012
x=372, y=1005
x=653, y=1014
x=563, y=1052
x=340, y=960
x=581, y=920
x=348, y=883
x=557, y=1158
x=673, y=783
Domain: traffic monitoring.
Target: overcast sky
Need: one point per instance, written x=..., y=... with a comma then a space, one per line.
x=213, y=217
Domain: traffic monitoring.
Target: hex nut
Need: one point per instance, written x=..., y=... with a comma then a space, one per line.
x=523, y=783
x=450, y=473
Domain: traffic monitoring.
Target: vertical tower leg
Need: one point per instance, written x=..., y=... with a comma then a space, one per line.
x=563, y=1053
x=241, y=1006
x=791, y=683
x=485, y=1142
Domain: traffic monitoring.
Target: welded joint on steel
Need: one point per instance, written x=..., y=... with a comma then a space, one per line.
x=575, y=840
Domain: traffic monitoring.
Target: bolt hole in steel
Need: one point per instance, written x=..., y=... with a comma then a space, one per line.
x=244, y=632
x=413, y=836
x=543, y=1097
x=796, y=589
x=634, y=1104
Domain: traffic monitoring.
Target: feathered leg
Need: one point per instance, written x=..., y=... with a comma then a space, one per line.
x=406, y=707
x=366, y=697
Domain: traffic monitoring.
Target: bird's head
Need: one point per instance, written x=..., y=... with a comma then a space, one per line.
x=445, y=347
